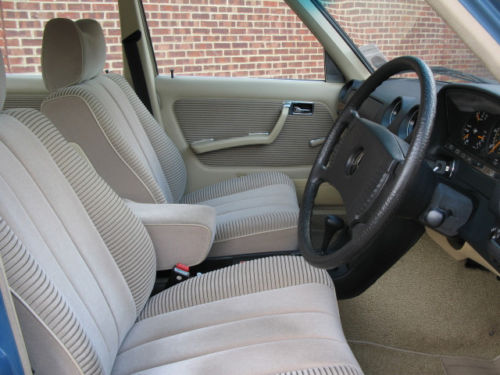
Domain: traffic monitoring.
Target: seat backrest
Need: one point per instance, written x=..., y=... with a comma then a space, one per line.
x=101, y=113
x=79, y=264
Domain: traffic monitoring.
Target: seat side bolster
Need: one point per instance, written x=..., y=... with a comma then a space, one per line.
x=85, y=130
x=169, y=156
x=41, y=337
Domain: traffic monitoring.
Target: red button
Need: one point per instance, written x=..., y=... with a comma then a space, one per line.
x=182, y=267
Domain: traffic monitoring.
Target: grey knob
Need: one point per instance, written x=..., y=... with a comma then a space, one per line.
x=435, y=217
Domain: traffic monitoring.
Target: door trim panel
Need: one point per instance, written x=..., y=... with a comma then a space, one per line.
x=172, y=90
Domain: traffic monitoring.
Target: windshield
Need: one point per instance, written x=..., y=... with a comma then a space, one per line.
x=385, y=29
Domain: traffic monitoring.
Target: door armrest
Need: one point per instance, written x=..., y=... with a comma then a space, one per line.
x=206, y=145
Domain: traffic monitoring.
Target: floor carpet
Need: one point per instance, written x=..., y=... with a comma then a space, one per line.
x=427, y=303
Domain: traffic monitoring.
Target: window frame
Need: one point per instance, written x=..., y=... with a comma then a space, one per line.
x=336, y=26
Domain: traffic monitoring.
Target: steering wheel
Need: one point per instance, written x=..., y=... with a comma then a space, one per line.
x=371, y=168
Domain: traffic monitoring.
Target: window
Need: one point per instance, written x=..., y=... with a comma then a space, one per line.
x=22, y=24
x=385, y=29
x=232, y=38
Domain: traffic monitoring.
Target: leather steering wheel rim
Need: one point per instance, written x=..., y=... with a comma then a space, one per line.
x=399, y=177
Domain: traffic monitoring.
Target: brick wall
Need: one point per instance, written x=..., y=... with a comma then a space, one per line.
x=238, y=38
x=252, y=38
x=409, y=27
x=22, y=22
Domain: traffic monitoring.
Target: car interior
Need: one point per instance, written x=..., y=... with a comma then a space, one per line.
x=250, y=187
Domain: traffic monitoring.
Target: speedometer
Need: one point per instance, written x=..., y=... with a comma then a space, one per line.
x=473, y=136
x=474, y=133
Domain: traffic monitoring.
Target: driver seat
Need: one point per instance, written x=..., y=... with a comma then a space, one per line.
x=81, y=267
x=131, y=151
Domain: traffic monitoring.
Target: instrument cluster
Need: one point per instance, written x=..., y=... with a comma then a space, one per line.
x=478, y=136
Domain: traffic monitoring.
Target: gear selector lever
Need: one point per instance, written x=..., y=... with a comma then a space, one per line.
x=333, y=224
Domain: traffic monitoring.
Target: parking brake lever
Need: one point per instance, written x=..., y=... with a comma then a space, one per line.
x=333, y=224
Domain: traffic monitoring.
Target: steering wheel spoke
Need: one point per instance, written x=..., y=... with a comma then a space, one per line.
x=369, y=165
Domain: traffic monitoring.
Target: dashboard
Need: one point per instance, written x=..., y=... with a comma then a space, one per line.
x=463, y=156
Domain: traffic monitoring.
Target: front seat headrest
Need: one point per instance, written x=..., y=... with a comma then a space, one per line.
x=72, y=52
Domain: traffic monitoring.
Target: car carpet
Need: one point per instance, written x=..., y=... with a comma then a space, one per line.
x=426, y=307
x=382, y=360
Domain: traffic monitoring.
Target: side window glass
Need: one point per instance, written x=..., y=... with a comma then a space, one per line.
x=383, y=30
x=223, y=38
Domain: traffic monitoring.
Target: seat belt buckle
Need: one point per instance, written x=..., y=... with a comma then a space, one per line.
x=179, y=273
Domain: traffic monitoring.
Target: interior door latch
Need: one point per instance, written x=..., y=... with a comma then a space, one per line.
x=301, y=108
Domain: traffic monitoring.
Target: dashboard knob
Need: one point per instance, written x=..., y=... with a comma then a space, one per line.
x=444, y=168
x=435, y=217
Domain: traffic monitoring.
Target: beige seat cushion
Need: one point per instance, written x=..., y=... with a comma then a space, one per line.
x=267, y=316
x=255, y=213
x=271, y=332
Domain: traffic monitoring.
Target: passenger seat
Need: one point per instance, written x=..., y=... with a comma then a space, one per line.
x=131, y=151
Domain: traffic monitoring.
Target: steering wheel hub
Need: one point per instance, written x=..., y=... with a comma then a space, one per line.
x=354, y=161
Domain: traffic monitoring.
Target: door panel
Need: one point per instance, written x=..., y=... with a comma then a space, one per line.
x=197, y=108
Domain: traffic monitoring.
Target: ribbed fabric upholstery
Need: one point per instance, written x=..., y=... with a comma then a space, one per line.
x=270, y=217
x=238, y=185
x=336, y=370
x=219, y=118
x=247, y=226
x=169, y=156
x=245, y=278
x=113, y=132
x=30, y=283
x=24, y=100
x=123, y=234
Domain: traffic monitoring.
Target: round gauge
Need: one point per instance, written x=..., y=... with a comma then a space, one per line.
x=494, y=145
x=411, y=122
x=474, y=134
x=392, y=112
